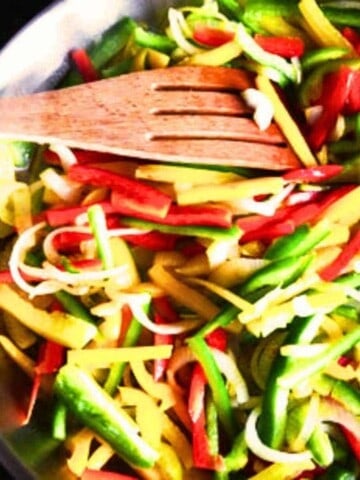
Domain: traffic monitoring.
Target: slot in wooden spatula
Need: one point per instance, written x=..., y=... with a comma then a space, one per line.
x=179, y=114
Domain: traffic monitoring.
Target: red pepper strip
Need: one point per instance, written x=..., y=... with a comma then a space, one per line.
x=211, y=36
x=153, y=240
x=304, y=214
x=335, y=91
x=6, y=277
x=51, y=357
x=286, y=47
x=67, y=242
x=90, y=474
x=206, y=215
x=201, y=450
x=320, y=173
x=164, y=313
x=352, y=104
x=218, y=338
x=138, y=194
x=330, y=272
x=192, y=248
x=82, y=157
x=84, y=65
x=59, y=216
x=269, y=232
x=353, y=441
x=353, y=36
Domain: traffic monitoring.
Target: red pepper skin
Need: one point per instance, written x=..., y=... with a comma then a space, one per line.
x=139, y=195
x=211, y=36
x=336, y=88
x=352, y=104
x=353, y=36
x=332, y=271
x=84, y=65
x=164, y=313
x=59, y=216
x=90, y=474
x=154, y=240
x=353, y=441
x=270, y=232
x=201, y=215
x=286, y=47
x=320, y=173
x=218, y=338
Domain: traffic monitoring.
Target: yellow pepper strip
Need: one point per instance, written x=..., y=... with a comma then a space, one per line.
x=121, y=255
x=21, y=200
x=338, y=235
x=100, y=457
x=198, y=265
x=148, y=416
x=216, y=56
x=156, y=59
x=169, y=463
x=105, y=357
x=283, y=470
x=182, y=293
x=174, y=435
x=158, y=390
x=7, y=188
x=279, y=27
x=235, y=271
x=345, y=210
x=79, y=447
x=286, y=123
x=23, y=361
x=60, y=327
x=248, y=188
x=185, y=175
x=299, y=442
x=224, y=293
x=321, y=30
x=324, y=256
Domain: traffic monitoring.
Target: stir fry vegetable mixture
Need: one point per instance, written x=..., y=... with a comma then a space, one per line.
x=199, y=322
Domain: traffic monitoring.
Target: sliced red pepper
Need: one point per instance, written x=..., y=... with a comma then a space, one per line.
x=136, y=193
x=270, y=232
x=304, y=214
x=211, y=36
x=353, y=36
x=316, y=174
x=352, y=104
x=204, y=215
x=330, y=272
x=164, y=313
x=69, y=242
x=202, y=456
x=154, y=240
x=59, y=216
x=353, y=441
x=84, y=65
x=286, y=47
x=218, y=338
x=335, y=91
x=90, y=474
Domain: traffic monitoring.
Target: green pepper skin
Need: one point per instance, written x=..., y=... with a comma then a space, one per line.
x=156, y=41
x=300, y=242
x=342, y=16
x=92, y=406
x=337, y=472
x=279, y=272
x=272, y=422
x=339, y=390
x=320, y=446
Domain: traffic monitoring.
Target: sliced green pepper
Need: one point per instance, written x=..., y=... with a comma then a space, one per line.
x=340, y=390
x=90, y=404
x=320, y=446
x=147, y=39
x=338, y=15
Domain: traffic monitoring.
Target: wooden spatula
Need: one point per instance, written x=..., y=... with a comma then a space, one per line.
x=179, y=114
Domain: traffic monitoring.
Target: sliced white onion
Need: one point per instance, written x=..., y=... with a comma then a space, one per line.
x=266, y=207
x=263, y=451
x=228, y=367
x=65, y=154
x=64, y=188
x=176, y=23
x=48, y=245
x=262, y=105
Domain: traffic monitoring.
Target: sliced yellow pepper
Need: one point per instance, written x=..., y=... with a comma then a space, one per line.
x=286, y=123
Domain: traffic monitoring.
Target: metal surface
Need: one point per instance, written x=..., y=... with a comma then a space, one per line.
x=33, y=61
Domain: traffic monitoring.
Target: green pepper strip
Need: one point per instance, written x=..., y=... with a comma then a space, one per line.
x=272, y=422
x=215, y=233
x=59, y=421
x=300, y=242
x=338, y=472
x=340, y=390
x=117, y=370
x=320, y=446
x=97, y=221
x=105, y=49
x=73, y=306
x=349, y=17
x=218, y=388
x=279, y=272
x=92, y=406
x=297, y=373
x=156, y=41
x=319, y=56
x=231, y=8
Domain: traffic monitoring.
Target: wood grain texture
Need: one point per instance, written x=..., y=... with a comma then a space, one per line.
x=180, y=114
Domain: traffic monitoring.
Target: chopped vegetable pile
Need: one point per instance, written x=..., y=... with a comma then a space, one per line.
x=198, y=322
